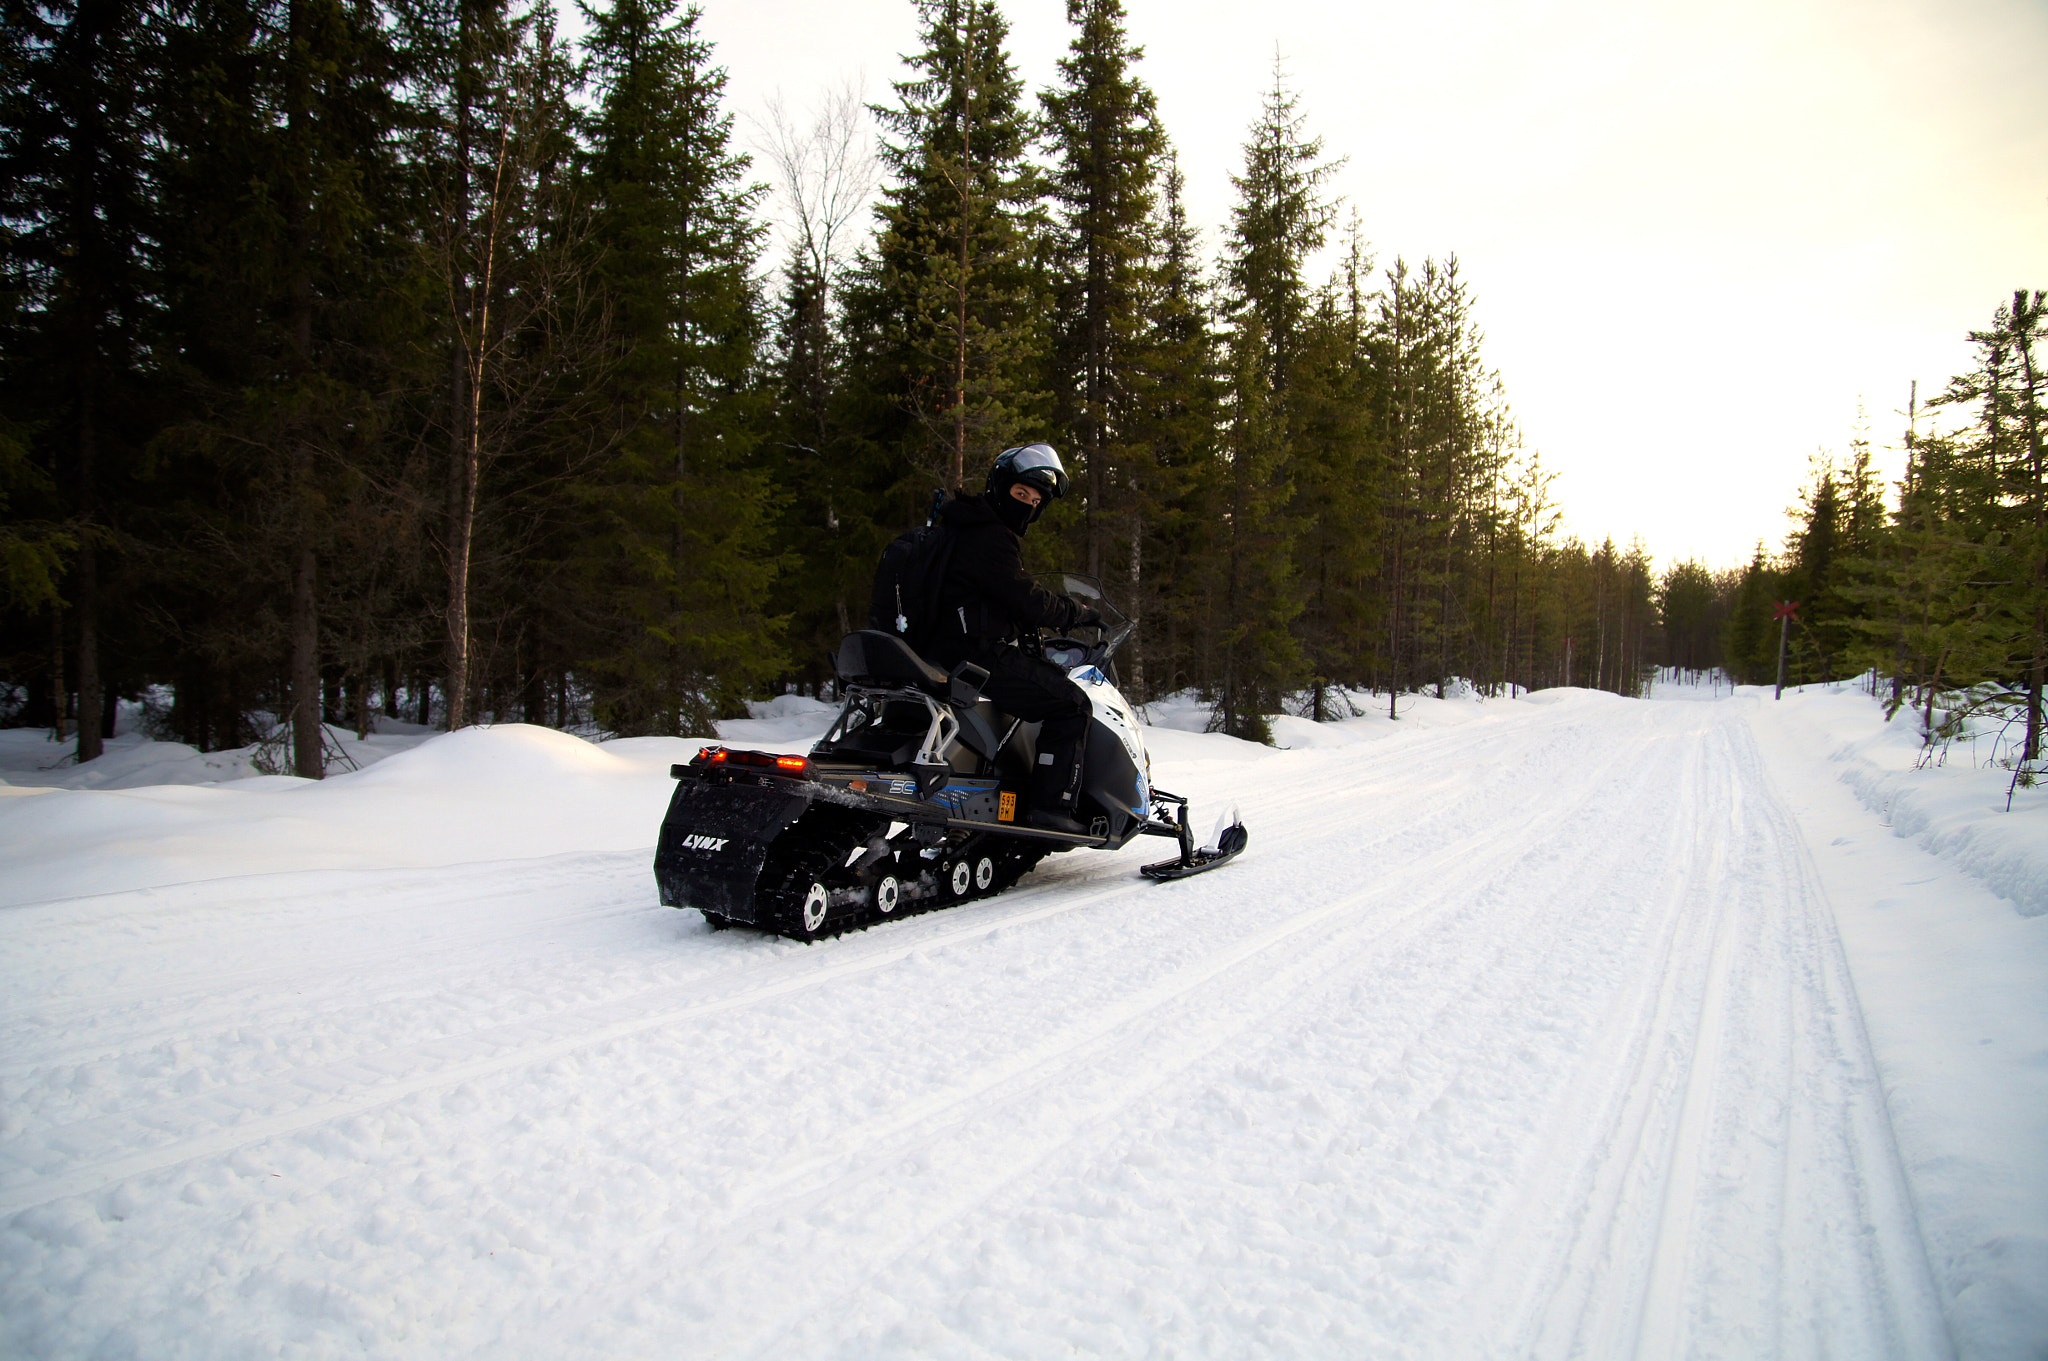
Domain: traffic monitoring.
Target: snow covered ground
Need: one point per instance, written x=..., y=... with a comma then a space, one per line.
x=1565, y=1025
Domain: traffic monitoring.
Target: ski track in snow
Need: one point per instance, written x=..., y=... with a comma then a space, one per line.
x=1528, y=1036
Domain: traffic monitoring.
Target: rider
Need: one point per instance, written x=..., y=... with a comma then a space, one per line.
x=987, y=603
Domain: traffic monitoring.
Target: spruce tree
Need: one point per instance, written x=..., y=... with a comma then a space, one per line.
x=945, y=314
x=75, y=198
x=1338, y=477
x=283, y=236
x=1277, y=220
x=1980, y=498
x=2011, y=394
x=1175, y=491
x=1751, y=640
x=1257, y=592
x=819, y=527
x=1686, y=610
x=676, y=558
x=1813, y=579
x=1280, y=218
x=1104, y=135
x=1951, y=637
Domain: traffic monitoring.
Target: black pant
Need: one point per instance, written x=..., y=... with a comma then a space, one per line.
x=1027, y=686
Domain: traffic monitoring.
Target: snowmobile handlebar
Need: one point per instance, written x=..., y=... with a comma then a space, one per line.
x=1086, y=644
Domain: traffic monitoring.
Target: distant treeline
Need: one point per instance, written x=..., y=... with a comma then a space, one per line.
x=1939, y=590
x=400, y=357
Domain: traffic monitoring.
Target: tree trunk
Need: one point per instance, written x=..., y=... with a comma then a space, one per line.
x=90, y=698
x=58, y=695
x=1137, y=612
x=305, y=633
x=460, y=513
x=304, y=626
x=2023, y=322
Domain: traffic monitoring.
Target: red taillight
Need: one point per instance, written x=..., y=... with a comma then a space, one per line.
x=781, y=765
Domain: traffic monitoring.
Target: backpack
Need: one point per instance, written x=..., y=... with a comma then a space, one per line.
x=905, y=597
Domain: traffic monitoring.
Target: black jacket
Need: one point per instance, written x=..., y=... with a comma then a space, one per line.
x=987, y=597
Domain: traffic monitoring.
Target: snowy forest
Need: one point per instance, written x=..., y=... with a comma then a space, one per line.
x=1936, y=587
x=409, y=359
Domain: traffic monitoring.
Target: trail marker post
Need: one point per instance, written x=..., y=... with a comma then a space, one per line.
x=1788, y=610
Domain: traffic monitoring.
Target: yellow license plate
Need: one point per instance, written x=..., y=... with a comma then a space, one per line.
x=1006, y=806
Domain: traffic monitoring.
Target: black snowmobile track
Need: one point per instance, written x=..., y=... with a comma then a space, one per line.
x=836, y=847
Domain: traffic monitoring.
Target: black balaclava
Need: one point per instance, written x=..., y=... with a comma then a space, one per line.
x=1012, y=512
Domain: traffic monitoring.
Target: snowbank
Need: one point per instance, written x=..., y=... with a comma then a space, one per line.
x=512, y=791
x=30, y=759
x=1953, y=806
x=1938, y=894
x=149, y=814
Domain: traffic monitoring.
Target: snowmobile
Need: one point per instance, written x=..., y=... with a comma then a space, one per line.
x=911, y=799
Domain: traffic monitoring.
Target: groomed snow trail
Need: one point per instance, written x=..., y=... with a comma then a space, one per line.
x=1525, y=1037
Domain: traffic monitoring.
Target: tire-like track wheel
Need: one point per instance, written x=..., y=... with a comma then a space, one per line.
x=804, y=867
x=887, y=894
x=811, y=916
x=960, y=878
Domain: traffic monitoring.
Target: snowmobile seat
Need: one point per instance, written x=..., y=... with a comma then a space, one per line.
x=872, y=657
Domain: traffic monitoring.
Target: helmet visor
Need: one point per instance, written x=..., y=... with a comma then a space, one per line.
x=1040, y=466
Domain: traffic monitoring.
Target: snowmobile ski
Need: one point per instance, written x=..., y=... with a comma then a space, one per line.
x=1230, y=842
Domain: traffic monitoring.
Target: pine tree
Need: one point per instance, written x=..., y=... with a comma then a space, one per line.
x=675, y=556
x=945, y=315
x=1686, y=609
x=1175, y=492
x=1257, y=595
x=1103, y=129
x=1750, y=641
x=284, y=234
x=76, y=201
x=1277, y=221
x=1951, y=638
x=820, y=527
x=1813, y=580
x=2013, y=400
x=1280, y=219
x=1989, y=487
x=1337, y=484
x=1455, y=418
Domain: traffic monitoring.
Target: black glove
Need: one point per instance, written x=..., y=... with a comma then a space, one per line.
x=1088, y=618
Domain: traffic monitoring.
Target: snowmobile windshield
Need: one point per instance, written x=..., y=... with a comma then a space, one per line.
x=1094, y=644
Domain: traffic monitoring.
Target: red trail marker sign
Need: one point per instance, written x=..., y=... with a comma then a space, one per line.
x=1788, y=610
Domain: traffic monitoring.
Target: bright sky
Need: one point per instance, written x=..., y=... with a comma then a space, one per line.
x=1700, y=236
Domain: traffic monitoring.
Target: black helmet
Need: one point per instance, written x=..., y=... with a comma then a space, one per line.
x=1036, y=465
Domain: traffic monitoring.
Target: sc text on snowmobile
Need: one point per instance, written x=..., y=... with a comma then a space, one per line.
x=911, y=800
